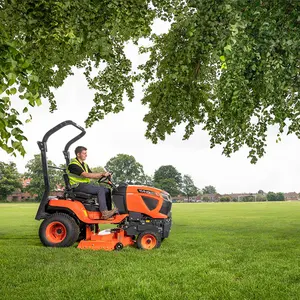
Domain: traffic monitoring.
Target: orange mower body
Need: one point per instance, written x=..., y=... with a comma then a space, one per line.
x=143, y=219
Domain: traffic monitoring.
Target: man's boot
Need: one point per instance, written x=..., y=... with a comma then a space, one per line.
x=106, y=214
x=115, y=210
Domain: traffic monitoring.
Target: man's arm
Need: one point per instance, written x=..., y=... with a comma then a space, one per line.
x=79, y=172
x=94, y=175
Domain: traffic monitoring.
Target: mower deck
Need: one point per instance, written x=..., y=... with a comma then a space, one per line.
x=115, y=240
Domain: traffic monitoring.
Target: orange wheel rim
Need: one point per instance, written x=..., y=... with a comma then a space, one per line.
x=148, y=241
x=56, y=232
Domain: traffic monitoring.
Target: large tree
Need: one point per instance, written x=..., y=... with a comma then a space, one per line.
x=35, y=173
x=167, y=171
x=169, y=185
x=40, y=42
x=168, y=179
x=275, y=196
x=126, y=169
x=188, y=187
x=230, y=67
x=209, y=189
x=10, y=179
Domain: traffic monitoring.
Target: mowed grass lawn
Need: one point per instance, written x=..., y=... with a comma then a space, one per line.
x=215, y=251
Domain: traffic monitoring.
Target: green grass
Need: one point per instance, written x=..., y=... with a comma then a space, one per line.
x=215, y=251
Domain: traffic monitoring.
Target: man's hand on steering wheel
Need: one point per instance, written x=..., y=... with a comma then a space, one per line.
x=105, y=176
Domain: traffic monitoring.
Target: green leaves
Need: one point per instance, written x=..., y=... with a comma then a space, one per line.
x=126, y=169
x=243, y=77
x=10, y=179
x=38, y=51
x=231, y=67
x=169, y=179
x=15, y=72
x=12, y=91
x=209, y=189
x=11, y=78
x=188, y=186
x=34, y=171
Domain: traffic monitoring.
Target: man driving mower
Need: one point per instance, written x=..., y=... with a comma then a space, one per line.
x=80, y=174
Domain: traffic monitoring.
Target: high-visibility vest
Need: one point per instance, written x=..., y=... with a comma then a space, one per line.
x=75, y=179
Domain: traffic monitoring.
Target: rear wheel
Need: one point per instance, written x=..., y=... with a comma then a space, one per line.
x=59, y=230
x=148, y=240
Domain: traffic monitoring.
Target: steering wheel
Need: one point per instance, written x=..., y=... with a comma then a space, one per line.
x=104, y=178
x=109, y=182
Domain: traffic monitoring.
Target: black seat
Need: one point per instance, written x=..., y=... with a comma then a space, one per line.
x=80, y=196
x=67, y=182
x=89, y=201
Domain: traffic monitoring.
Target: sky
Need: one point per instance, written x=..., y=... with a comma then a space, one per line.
x=277, y=171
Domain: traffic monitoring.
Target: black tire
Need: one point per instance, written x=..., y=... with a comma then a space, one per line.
x=118, y=246
x=148, y=240
x=59, y=230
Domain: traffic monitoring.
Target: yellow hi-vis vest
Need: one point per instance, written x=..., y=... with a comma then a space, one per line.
x=75, y=179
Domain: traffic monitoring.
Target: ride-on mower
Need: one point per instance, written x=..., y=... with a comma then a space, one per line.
x=144, y=217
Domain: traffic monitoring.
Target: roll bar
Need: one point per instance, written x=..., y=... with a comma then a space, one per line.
x=41, y=214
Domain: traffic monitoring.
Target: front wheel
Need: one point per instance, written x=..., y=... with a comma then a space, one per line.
x=59, y=230
x=119, y=246
x=148, y=240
